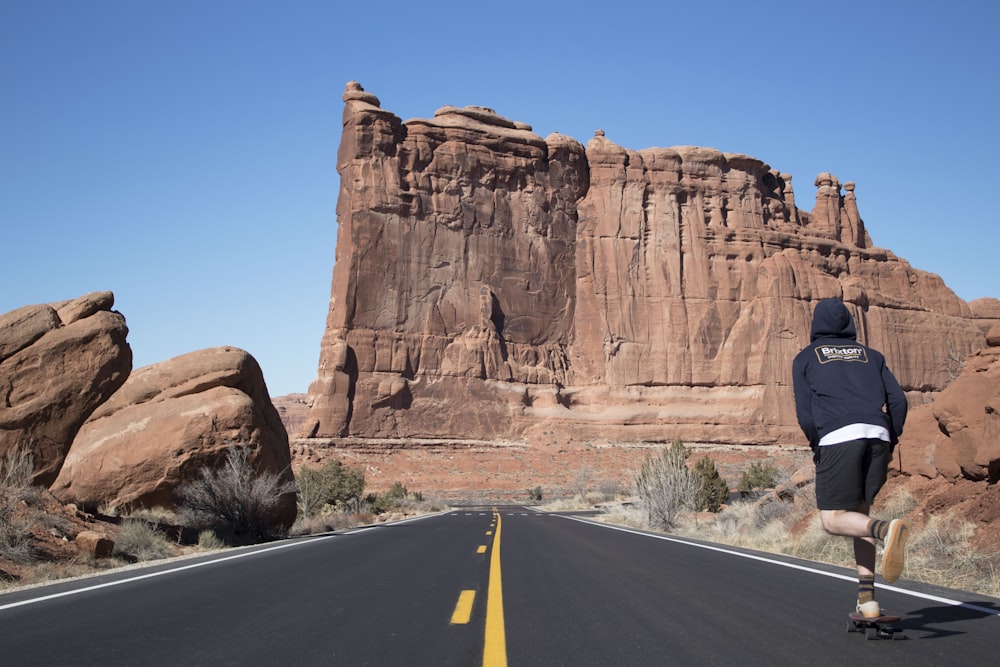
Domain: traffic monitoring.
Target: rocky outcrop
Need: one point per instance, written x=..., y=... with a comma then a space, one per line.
x=985, y=312
x=167, y=422
x=958, y=435
x=93, y=544
x=491, y=283
x=292, y=409
x=58, y=363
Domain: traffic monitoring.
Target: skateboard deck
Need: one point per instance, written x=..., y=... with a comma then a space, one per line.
x=880, y=627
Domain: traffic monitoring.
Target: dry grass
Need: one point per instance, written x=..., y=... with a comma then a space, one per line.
x=209, y=541
x=139, y=540
x=17, y=495
x=938, y=553
x=325, y=523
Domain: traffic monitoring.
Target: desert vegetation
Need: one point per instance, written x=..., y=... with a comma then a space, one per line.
x=235, y=501
x=16, y=492
x=221, y=507
x=332, y=497
x=670, y=495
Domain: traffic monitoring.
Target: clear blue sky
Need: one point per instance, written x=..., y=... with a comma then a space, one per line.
x=182, y=153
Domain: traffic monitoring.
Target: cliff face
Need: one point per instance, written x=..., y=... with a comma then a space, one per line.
x=492, y=283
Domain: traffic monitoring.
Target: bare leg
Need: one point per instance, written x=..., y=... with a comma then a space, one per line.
x=853, y=523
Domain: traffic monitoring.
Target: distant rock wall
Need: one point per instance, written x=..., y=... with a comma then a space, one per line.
x=489, y=282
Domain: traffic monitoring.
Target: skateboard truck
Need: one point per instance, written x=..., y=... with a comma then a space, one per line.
x=879, y=627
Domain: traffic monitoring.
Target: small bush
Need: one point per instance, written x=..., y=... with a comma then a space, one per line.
x=397, y=491
x=609, y=489
x=235, y=501
x=16, y=470
x=332, y=485
x=209, y=541
x=326, y=523
x=139, y=541
x=535, y=494
x=377, y=503
x=714, y=491
x=666, y=486
x=759, y=477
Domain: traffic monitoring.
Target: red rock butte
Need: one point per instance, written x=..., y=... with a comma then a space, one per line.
x=490, y=283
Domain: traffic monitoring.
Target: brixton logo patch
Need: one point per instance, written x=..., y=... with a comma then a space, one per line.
x=828, y=353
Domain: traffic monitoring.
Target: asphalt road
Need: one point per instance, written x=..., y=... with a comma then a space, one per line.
x=475, y=586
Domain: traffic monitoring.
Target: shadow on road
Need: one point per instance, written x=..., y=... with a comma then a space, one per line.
x=933, y=621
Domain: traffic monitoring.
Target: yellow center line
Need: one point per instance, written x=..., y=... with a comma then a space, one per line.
x=463, y=610
x=481, y=549
x=495, y=646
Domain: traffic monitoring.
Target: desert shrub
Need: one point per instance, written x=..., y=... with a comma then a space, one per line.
x=581, y=482
x=236, y=501
x=380, y=503
x=666, y=486
x=714, y=491
x=896, y=505
x=609, y=489
x=760, y=476
x=535, y=494
x=139, y=540
x=770, y=509
x=397, y=491
x=941, y=553
x=312, y=525
x=16, y=470
x=209, y=541
x=333, y=485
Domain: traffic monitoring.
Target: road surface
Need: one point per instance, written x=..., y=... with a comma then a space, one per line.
x=485, y=586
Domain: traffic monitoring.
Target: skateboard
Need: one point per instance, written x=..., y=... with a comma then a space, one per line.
x=880, y=627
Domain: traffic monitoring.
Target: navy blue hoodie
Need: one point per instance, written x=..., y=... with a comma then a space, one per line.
x=838, y=381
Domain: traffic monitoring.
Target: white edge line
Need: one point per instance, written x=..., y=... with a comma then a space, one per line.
x=174, y=570
x=804, y=568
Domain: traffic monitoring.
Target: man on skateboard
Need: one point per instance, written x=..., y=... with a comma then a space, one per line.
x=852, y=409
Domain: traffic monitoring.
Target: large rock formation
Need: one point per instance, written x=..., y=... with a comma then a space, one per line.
x=167, y=422
x=958, y=435
x=489, y=282
x=58, y=363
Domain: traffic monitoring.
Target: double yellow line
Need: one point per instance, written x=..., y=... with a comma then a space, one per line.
x=495, y=643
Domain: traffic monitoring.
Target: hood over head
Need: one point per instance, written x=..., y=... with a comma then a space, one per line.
x=831, y=319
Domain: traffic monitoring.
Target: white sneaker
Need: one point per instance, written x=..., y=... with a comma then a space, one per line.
x=870, y=609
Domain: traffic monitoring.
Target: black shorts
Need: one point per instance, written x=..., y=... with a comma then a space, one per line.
x=851, y=473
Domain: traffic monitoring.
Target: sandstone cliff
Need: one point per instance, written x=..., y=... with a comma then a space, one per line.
x=492, y=283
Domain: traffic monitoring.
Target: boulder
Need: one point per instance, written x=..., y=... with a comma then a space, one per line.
x=958, y=435
x=58, y=363
x=94, y=544
x=166, y=423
